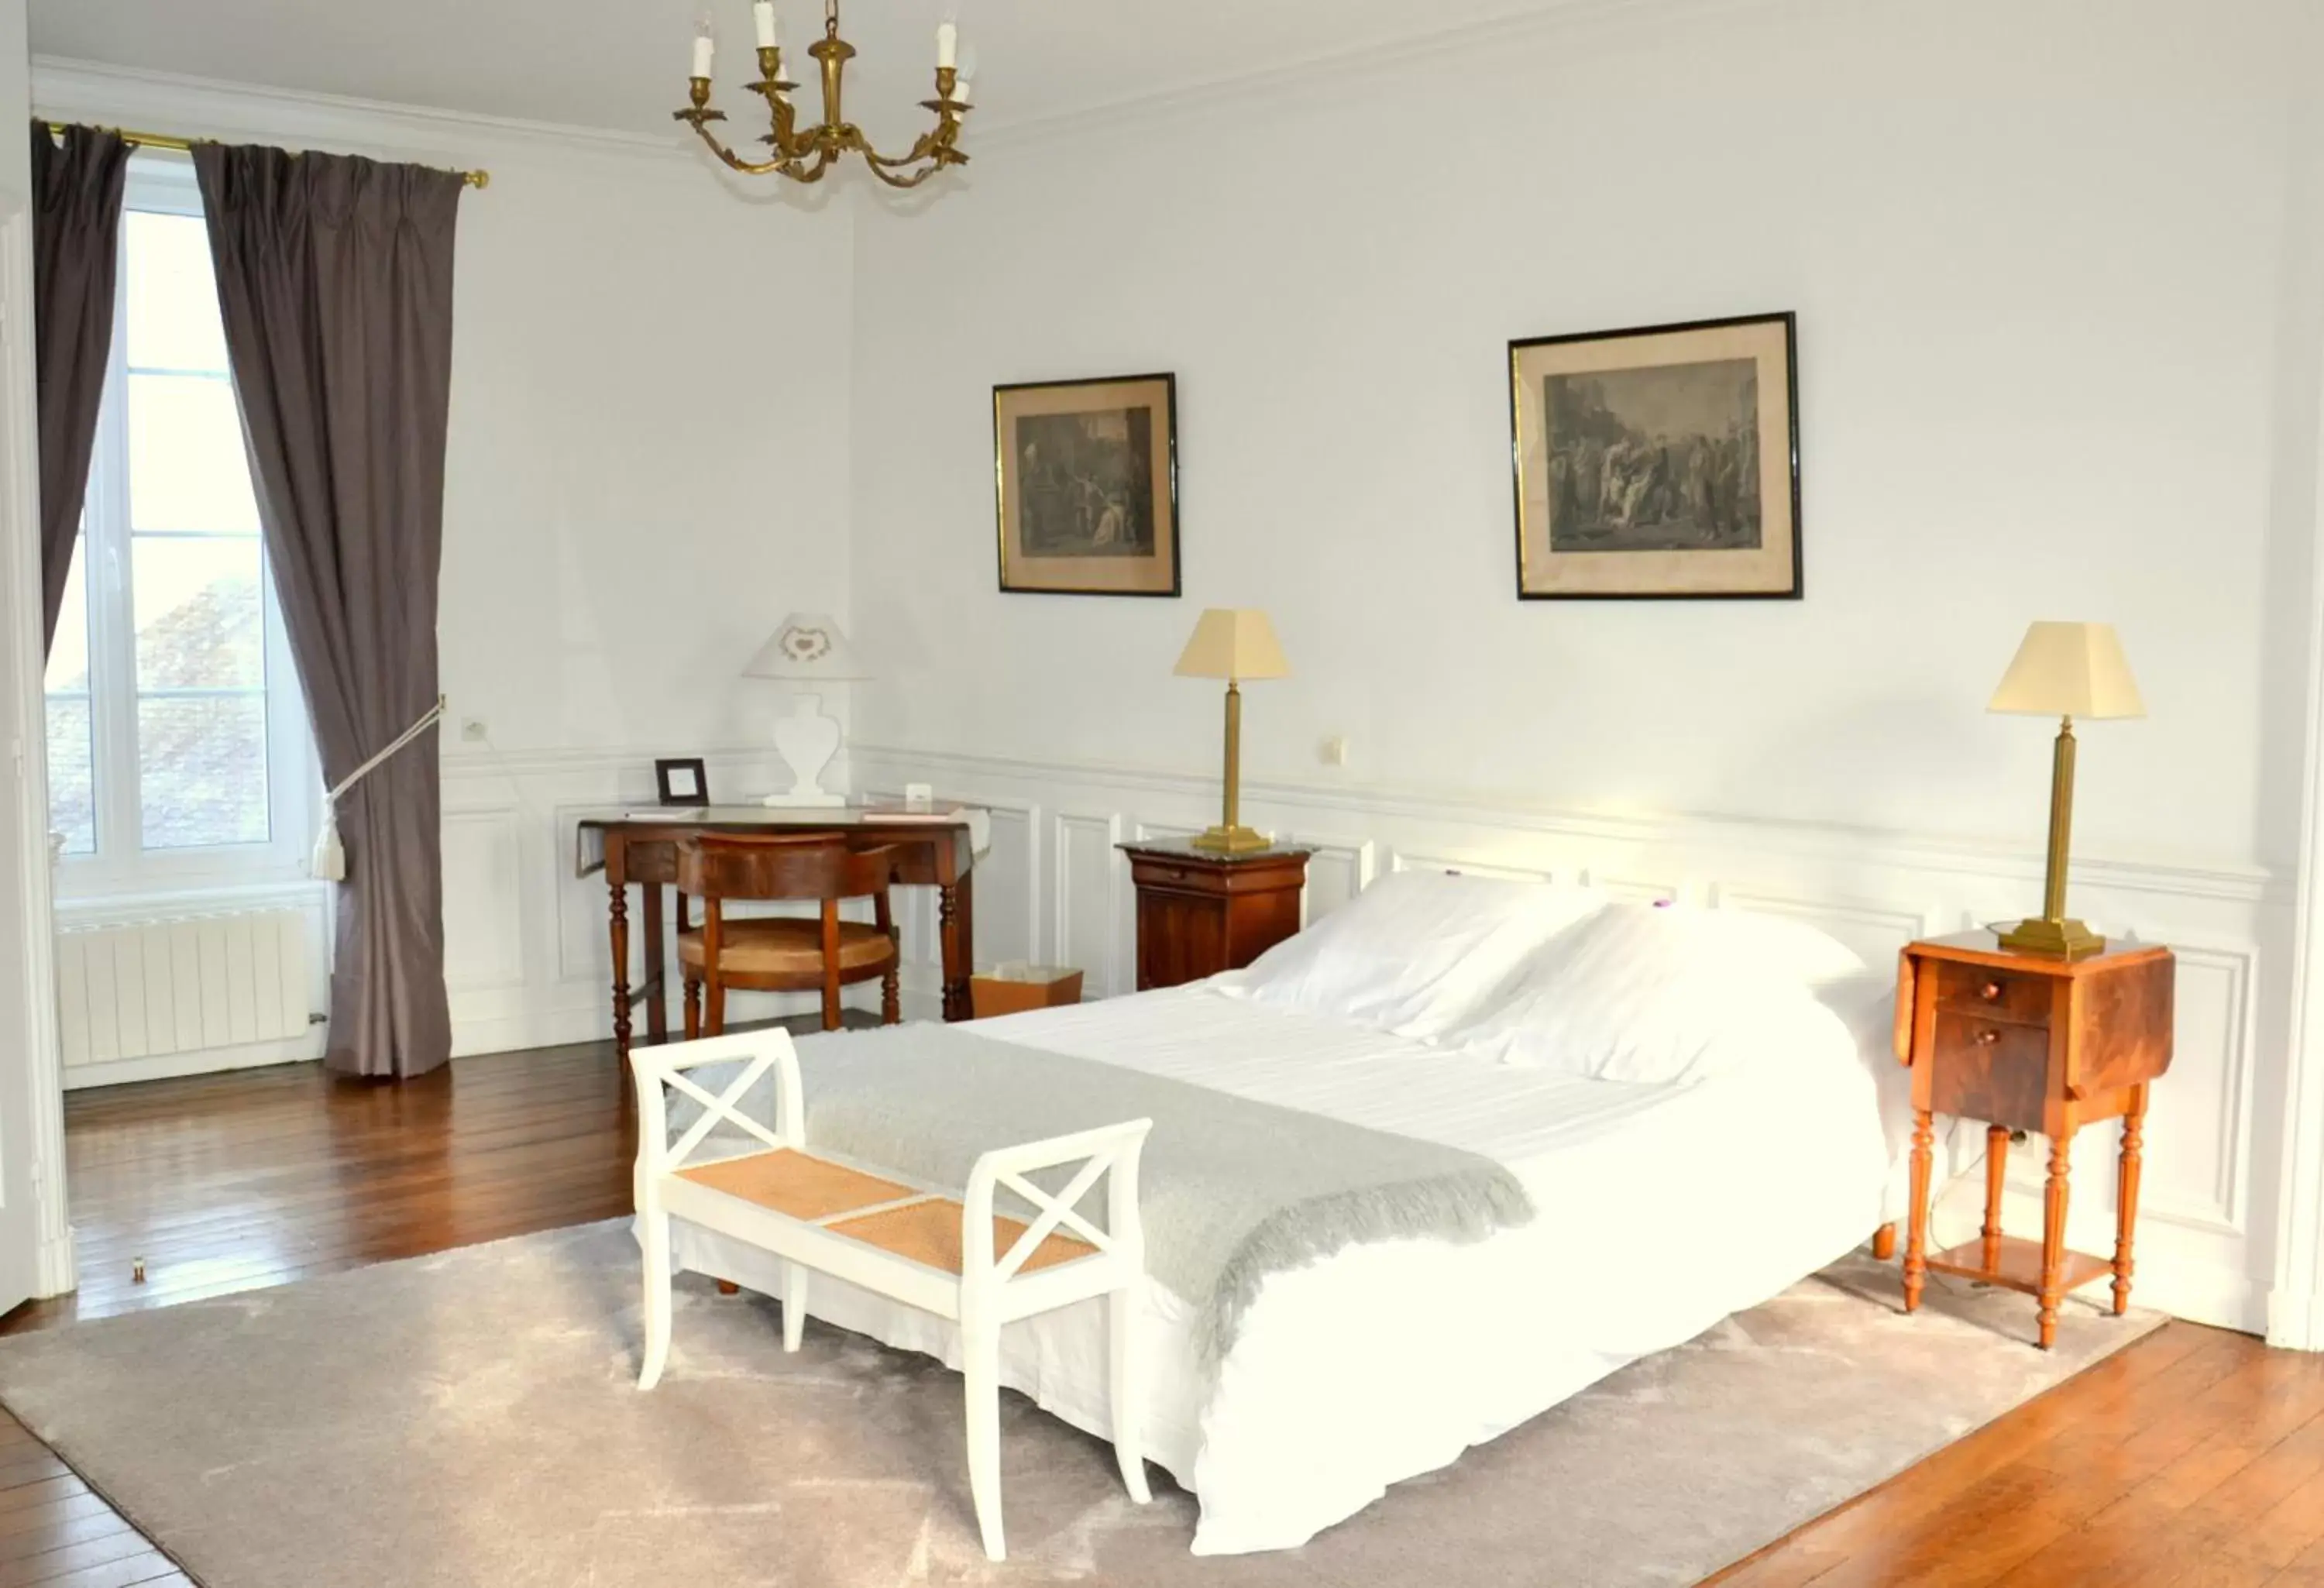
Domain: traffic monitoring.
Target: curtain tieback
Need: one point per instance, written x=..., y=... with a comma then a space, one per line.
x=330, y=854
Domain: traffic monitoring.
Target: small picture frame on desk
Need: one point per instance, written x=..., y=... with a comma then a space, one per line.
x=682, y=782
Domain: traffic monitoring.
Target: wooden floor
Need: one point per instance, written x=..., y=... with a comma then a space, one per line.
x=2192, y=1459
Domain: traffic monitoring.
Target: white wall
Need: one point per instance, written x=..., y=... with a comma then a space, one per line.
x=2059, y=321
x=2036, y=255
x=648, y=468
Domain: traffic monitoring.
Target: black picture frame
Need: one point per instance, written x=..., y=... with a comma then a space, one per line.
x=666, y=775
x=1076, y=576
x=1529, y=579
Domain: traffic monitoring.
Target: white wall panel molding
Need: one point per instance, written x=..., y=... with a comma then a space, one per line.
x=1087, y=903
x=1839, y=847
x=483, y=900
x=1337, y=871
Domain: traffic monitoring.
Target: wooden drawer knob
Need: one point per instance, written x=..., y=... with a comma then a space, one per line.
x=1988, y=1037
x=1990, y=992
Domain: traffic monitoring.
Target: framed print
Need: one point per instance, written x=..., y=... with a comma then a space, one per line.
x=1658, y=463
x=1086, y=480
x=682, y=782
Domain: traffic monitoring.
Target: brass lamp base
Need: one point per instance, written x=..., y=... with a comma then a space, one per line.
x=2059, y=939
x=1230, y=841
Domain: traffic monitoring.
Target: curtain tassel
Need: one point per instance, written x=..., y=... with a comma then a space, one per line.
x=330, y=861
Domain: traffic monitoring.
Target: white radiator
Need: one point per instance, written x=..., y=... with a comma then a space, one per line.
x=161, y=987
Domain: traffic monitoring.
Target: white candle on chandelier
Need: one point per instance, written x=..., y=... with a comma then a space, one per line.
x=947, y=46
x=703, y=47
x=763, y=13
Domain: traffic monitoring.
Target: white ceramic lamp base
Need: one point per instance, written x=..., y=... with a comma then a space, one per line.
x=807, y=740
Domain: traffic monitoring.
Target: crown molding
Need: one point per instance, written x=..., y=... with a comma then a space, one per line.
x=1367, y=66
x=65, y=90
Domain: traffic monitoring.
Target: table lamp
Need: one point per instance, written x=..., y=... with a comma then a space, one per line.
x=807, y=648
x=1233, y=643
x=2065, y=670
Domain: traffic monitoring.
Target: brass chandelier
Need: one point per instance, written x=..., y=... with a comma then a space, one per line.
x=804, y=155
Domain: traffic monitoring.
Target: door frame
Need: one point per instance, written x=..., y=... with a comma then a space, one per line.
x=24, y=719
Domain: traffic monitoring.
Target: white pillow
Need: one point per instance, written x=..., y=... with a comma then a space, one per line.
x=1666, y=994
x=1416, y=952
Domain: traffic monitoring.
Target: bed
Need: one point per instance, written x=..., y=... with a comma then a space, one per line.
x=1662, y=1207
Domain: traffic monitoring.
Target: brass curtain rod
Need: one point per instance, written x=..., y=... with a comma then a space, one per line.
x=475, y=179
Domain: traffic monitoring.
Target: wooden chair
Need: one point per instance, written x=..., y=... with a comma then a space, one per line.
x=954, y=1257
x=782, y=954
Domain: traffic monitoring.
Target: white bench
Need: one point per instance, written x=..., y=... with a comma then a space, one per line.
x=955, y=1258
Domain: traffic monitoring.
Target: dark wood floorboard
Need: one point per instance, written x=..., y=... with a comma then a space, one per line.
x=2192, y=1459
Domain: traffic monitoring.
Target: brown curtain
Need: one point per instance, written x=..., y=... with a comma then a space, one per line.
x=336, y=279
x=75, y=253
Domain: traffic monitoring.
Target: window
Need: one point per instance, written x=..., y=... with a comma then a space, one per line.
x=179, y=750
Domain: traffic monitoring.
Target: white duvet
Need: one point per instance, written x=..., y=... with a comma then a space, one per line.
x=1661, y=1210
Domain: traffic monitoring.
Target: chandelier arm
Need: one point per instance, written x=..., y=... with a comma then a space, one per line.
x=785, y=137
x=782, y=165
x=934, y=147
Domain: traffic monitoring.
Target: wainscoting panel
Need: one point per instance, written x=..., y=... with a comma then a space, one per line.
x=1008, y=890
x=2202, y=1253
x=1087, y=904
x=484, y=898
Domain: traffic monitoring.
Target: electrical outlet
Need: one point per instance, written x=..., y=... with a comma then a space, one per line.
x=473, y=730
x=1334, y=751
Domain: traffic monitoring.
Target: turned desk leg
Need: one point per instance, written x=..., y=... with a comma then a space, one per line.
x=2053, y=1234
x=2134, y=1141
x=1916, y=1226
x=618, y=923
x=953, y=935
x=1883, y=1243
x=656, y=1005
x=1996, y=1168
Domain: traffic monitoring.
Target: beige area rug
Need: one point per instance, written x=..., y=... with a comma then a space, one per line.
x=470, y=1419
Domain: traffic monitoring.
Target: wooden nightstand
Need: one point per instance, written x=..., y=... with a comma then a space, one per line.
x=1200, y=913
x=2029, y=1043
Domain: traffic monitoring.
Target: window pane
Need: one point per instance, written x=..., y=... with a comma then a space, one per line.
x=68, y=670
x=187, y=466
x=201, y=624
x=202, y=771
x=173, y=309
x=72, y=783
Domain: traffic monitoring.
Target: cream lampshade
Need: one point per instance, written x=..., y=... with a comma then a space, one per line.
x=2064, y=671
x=1233, y=643
x=808, y=648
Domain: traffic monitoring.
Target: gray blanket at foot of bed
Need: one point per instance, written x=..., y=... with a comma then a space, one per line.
x=1231, y=1191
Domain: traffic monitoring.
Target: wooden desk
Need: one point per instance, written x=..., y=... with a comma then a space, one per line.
x=642, y=848
x=2029, y=1043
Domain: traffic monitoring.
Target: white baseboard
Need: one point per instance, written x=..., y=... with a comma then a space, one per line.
x=58, y=1271
x=2295, y=1321
x=171, y=1067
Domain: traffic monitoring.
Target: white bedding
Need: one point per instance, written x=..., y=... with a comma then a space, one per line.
x=1662, y=1209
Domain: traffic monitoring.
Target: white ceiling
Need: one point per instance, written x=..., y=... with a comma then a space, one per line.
x=621, y=64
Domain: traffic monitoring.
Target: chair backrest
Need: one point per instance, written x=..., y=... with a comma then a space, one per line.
x=750, y=865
